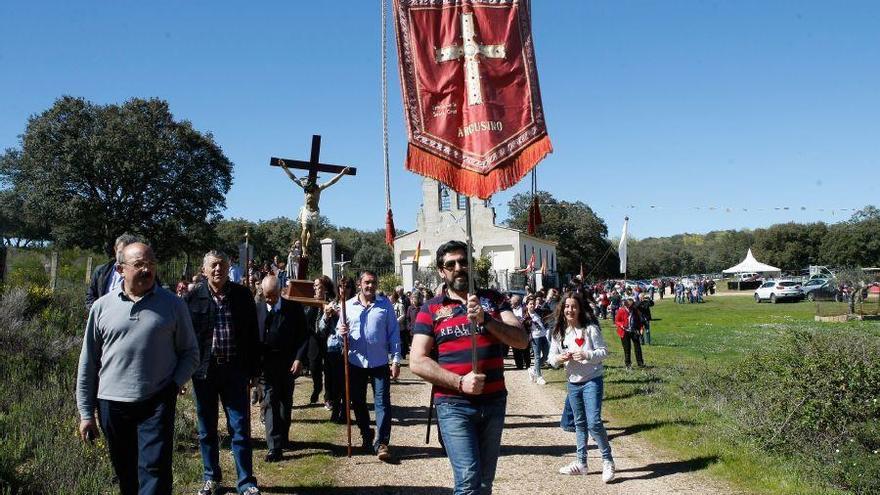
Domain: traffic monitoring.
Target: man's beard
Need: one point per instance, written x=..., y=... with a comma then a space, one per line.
x=459, y=282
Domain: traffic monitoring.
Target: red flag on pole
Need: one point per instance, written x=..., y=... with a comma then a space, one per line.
x=538, y=218
x=531, y=266
x=390, y=233
x=535, y=219
x=470, y=92
x=532, y=228
x=418, y=254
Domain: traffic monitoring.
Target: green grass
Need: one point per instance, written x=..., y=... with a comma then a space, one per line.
x=308, y=465
x=662, y=403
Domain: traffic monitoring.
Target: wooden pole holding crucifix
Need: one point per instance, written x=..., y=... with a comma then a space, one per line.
x=341, y=289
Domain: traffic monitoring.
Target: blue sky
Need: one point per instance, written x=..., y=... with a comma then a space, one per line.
x=692, y=107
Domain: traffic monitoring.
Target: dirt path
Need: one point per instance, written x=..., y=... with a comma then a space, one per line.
x=533, y=448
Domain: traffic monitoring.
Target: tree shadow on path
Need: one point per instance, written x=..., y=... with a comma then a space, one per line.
x=359, y=490
x=640, y=427
x=660, y=469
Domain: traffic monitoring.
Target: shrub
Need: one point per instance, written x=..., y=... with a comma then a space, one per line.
x=40, y=452
x=27, y=271
x=388, y=282
x=812, y=395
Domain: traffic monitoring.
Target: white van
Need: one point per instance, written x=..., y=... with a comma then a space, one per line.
x=747, y=276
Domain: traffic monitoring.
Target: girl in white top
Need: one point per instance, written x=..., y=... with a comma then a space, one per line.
x=577, y=344
x=540, y=344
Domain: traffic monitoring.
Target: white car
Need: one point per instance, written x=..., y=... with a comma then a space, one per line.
x=778, y=290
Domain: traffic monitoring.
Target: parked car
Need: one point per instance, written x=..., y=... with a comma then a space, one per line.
x=826, y=289
x=778, y=290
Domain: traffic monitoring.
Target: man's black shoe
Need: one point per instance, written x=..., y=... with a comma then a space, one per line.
x=367, y=441
x=273, y=456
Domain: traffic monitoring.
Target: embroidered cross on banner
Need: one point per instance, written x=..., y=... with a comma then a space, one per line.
x=469, y=51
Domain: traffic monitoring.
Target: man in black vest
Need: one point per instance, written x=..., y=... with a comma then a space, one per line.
x=105, y=277
x=284, y=340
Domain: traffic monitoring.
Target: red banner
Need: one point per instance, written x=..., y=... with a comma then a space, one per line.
x=470, y=92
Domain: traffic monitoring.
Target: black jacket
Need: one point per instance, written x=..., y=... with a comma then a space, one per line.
x=317, y=340
x=285, y=338
x=244, y=320
x=98, y=284
x=645, y=308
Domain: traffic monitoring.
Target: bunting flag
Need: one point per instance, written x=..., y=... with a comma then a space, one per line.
x=418, y=254
x=470, y=92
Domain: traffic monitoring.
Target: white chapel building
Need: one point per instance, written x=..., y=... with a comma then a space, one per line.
x=442, y=218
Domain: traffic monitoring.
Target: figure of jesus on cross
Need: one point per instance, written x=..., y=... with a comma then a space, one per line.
x=310, y=212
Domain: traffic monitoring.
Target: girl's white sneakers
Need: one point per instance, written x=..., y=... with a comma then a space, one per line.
x=574, y=469
x=578, y=469
x=607, y=471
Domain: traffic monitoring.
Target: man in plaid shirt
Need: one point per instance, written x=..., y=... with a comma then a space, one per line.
x=225, y=321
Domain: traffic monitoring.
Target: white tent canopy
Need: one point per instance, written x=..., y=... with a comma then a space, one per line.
x=750, y=264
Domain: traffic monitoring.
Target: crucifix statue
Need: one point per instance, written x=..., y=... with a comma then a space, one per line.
x=310, y=212
x=469, y=52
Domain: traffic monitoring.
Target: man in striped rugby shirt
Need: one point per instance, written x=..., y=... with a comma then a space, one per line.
x=470, y=403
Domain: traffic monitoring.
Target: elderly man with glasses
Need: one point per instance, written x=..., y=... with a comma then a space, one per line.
x=138, y=351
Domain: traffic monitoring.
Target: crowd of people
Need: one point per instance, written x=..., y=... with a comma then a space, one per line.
x=225, y=338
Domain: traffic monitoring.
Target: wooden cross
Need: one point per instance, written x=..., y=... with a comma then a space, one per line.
x=313, y=166
x=469, y=51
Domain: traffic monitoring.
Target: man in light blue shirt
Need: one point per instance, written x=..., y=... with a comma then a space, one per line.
x=235, y=271
x=373, y=335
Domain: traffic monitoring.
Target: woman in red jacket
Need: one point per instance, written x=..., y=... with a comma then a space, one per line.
x=629, y=327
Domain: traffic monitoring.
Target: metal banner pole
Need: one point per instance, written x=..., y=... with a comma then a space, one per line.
x=471, y=289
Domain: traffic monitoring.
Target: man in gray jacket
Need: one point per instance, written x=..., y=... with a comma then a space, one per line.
x=138, y=351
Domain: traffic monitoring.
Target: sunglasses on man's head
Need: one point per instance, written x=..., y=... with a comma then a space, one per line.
x=450, y=265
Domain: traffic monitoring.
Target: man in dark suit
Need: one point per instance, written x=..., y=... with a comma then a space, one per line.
x=284, y=340
x=105, y=277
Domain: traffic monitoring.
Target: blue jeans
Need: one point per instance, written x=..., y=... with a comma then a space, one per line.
x=646, y=337
x=472, y=437
x=540, y=347
x=229, y=383
x=567, y=421
x=140, y=438
x=380, y=379
x=586, y=403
